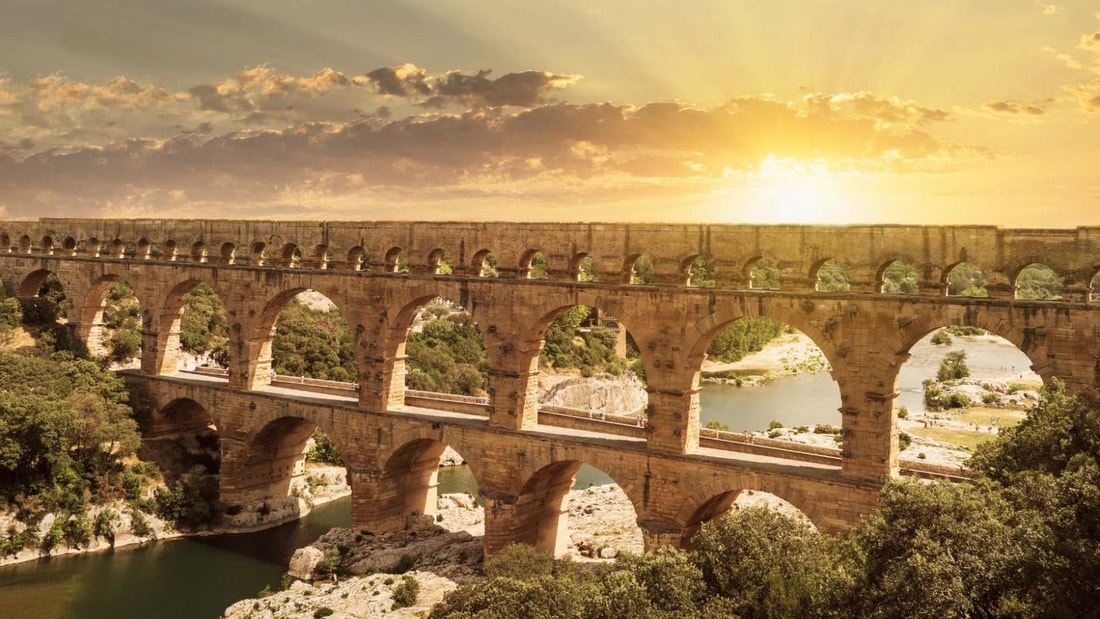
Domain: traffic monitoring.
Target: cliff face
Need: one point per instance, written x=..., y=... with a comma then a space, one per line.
x=614, y=395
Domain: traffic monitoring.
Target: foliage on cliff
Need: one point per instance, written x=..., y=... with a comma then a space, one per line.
x=446, y=353
x=314, y=343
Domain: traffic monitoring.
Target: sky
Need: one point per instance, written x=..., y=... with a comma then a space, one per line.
x=713, y=111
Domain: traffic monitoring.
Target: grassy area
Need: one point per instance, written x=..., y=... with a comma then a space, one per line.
x=1005, y=418
x=733, y=374
x=966, y=439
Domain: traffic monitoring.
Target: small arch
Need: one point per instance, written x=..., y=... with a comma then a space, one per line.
x=182, y=416
x=700, y=272
x=897, y=277
x=68, y=246
x=5, y=243
x=832, y=276
x=534, y=265
x=584, y=269
x=47, y=245
x=290, y=256
x=144, y=247
x=171, y=251
x=438, y=264
x=357, y=258
x=228, y=253
x=1094, y=287
x=639, y=269
x=485, y=264
x=258, y=253
x=762, y=274
x=396, y=261
x=118, y=249
x=24, y=244
x=965, y=279
x=198, y=252
x=1038, y=282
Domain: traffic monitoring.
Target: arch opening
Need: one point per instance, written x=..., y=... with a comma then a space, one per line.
x=898, y=277
x=1038, y=282
x=832, y=276
x=445, y=352
x=427, y=480
x=258, y=254
x=357, y=259
x=700, y=272
x=640, y=268
x=721, y=505
x=534, y=265
x=228, y=253
x=590, y=366
x=439, y=263
x=766, y=386
x=311, y=340
x=114, y=316
x=485, y=263
x=199, y=321
x=289, y=466
x=563, y=509
x=960, y=385
x=966, y=280
x=762, y=274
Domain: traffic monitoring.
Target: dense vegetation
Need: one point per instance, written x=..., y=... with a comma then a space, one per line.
x=446, y=353
x=314, y=343
x=1023, y=540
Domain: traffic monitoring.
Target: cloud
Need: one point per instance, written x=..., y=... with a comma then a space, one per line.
x=1016, y=108
x=1087, y=95
x=1049, y=9
x=524, y=89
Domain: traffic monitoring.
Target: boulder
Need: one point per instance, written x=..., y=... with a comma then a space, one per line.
x=304, y=562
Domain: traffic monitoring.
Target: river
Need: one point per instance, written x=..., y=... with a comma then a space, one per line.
x=200, y=577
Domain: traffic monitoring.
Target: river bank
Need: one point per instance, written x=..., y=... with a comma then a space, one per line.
x=131, y=526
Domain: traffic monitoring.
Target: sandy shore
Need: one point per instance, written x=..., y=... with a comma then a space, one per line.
x=788, y=355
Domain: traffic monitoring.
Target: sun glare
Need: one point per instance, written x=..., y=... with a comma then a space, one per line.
x=783, y=191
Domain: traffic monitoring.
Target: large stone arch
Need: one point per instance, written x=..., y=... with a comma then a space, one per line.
x=166, y=351
x=403, y=488
x=389, y=389
x=180, y=416
x=253, y=369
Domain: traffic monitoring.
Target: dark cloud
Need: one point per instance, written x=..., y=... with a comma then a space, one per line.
x=1016, y=108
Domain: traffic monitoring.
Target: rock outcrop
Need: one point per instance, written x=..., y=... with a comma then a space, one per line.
x=615, y=395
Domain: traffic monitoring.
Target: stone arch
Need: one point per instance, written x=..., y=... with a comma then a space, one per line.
x=484, y=264
x=965, y=279
x=1037, y=281
x=583, y=268
x=92, y=247
x=68, y=246
x=357, y=257
x=831, y=276
x=228, y=253
x=171, y=251
x=47, y=245
x=396, y=372
x=541, y=516
x=258, y=254
x=290, y=256
x=32, y=283
x=117, y=249
x=698, y=271
x=198, y=252
x=320, y=258
x=392, y=262
x=261, y=364
x=438, y=263
x=710, y=501
x=897, y=276
x=143, y=250
x=169, y=318
x=25, y=246
x=5, y=243
x=408, y=485
x=181, y=416
x=271, y=461
x=762, y=273
x=638, y=269
x=901, y=341
x=534, y=265
x=92, y=317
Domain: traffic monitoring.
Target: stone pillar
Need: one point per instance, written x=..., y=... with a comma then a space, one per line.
x=539, y=521
x=160, y=353
x=870, y=434
x=932, y=288
x=513, y=399
x=660, y=535
x=500, y=509
x=672, y=419
x=373, y=505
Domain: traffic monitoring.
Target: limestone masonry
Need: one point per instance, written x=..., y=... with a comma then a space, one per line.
x=524, y=467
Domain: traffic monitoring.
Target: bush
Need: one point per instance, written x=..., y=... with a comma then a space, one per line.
x=825, y=428
x=139, y=525
x=775, y=424
x=989, y=398
x=323, y=612
x=329, y=563
x=941, y=338
x=406, y=592
x=903, y=413
x=904, y=441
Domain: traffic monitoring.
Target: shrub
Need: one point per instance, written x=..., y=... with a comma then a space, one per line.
x=903, y=413
x=323, y=612
x=825, y=428
x=139, y=525
x=904, y=441
x=717, y=425
x=406, y=592
x=775, y=424
x=329, y=563
x=941, y=338
x=989, y=398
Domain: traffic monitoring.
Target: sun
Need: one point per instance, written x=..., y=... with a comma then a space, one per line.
x=792, y=192
x=793, y=200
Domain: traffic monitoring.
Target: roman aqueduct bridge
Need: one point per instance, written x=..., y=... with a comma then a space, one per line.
x=379, y=274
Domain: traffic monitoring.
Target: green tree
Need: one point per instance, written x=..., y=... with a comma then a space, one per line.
x=966, y=280
x=203, y=326
x=1037, y=281
x=832, y=276
x=743, y=336
x=900, y=278
x=314, y=343
x=642, y=271
x=765, y=275
x=122, y=322
x=953, y=367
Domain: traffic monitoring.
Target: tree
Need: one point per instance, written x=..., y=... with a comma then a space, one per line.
x=765, y=275
x=1037, y=281
x=966, y=280
x=900, y=278
x=953, y=366
x=833, y=277
x=203, y=326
